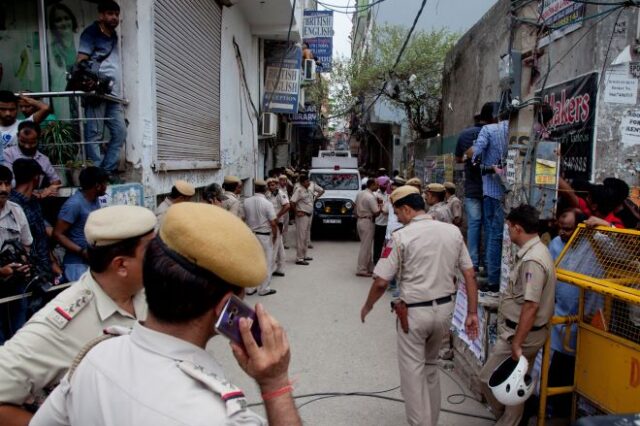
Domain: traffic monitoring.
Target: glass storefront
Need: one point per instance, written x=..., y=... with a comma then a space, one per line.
x=21, y=40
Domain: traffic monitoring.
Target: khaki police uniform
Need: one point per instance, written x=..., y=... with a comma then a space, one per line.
x=38, y=356
x=152, y=378
x=424, y=258
x=455, y=207
x=259, y=212
x=279, y=200
x=366, y=208
x=303, y=198
x=285, y=224
x=440, y=212
x=233, y=204
x=532, y=278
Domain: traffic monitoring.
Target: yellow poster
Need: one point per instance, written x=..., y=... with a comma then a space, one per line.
x=546, y=172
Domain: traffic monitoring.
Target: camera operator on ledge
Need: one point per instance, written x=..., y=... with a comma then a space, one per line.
x=13, y=275
x=99, y=44
x=490, y=149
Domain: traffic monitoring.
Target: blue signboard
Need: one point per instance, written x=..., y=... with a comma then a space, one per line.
x=308, y=118
x=282, y=77
x=318, y=34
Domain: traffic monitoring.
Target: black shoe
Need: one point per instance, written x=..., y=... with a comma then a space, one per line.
x=250, y=292
x=268, y=293
x=308, y=258
x=278, y=274
x=301, y=262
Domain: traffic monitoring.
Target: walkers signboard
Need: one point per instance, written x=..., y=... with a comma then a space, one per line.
x=573, y=123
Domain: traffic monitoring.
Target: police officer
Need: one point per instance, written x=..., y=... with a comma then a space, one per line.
x=110, y=293
x=262, y=220
x=232, y=186
x=180, y=192
x=424, y=256
x=160, y=373
x=280, y=200
x=367, y=209
x=526, y=306
x=454, y=203
x=438, y=209
x=302, y=201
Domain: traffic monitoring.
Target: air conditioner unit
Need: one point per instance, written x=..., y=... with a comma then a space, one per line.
x=309, y=69
x=269, y=124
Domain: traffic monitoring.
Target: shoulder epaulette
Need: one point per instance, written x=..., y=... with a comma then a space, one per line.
x=64, y=312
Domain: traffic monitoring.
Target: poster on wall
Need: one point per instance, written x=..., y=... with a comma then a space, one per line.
x=318, y=34
x=282, y=77
x=560, y=18
x=573, y=123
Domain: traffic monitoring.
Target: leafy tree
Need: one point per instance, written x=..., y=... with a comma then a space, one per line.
x=414, y=85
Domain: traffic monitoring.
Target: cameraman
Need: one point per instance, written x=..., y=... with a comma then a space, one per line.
x=99, y=44
x=490, y=149
x=13, y=226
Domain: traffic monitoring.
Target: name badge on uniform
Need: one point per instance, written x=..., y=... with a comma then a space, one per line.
x=63, y=314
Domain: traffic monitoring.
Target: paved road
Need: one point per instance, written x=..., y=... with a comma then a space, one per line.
x=332, y=351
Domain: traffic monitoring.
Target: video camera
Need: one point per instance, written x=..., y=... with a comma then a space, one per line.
x=35, y=280
x=86, y=76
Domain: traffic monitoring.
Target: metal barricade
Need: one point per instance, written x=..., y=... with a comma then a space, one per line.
x=78, y=96
x=605, y=264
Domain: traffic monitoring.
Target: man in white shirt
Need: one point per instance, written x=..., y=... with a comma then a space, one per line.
x=9, y=116
x=261, y=219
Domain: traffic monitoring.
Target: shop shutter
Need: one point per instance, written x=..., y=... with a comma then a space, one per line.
x=187, y=71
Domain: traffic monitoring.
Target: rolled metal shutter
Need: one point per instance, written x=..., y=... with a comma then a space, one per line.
x=187, y=71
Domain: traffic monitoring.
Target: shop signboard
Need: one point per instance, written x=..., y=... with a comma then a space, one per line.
x=282, y=77
x=573, y=123
x=318, y=34
x=560, y=18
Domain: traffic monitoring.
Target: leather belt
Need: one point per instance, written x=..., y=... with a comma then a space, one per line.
x=440, y=301
x=263, y=233
x=365, y=217
x=513, y=325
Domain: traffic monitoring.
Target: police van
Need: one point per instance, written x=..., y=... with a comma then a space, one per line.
x=337, y=173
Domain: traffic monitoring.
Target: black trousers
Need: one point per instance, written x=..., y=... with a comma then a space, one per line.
x=378, y=242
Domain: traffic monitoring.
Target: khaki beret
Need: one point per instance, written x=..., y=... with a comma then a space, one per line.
x=435, y=187
x=449, y=185
x=414, y=181
x=232, y=179
x=185, y=188
x=270, y=180
x=398, y=181
x=113, y=224
x=229, y=249
x=283, y=177
x=260, y=182
x=402, y=192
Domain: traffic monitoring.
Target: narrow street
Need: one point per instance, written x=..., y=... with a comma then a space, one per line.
x=332, y=351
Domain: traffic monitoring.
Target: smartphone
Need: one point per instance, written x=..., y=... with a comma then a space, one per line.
x=228, y=323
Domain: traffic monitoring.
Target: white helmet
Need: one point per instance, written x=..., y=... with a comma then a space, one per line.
x=510, y=383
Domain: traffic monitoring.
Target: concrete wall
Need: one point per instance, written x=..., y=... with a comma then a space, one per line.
x=471, y=78
x=238, y=139
x=470, y=75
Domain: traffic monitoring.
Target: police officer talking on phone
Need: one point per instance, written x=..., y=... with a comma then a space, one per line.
x=160, y=373
x=423, y=257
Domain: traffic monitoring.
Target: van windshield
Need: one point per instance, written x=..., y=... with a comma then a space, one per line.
x=336, y=181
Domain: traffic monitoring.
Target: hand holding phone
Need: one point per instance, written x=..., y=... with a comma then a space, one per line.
x=228, y=322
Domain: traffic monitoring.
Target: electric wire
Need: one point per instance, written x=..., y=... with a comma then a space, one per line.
x=319, y=396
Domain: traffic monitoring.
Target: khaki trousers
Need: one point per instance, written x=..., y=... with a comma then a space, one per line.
x=509, y=415
x=267, y=245
x=366, y=230
x=302, y=233
x=285, y=229
x=278, y=254
x=418, y=362
x=309, y=229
